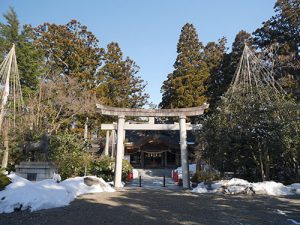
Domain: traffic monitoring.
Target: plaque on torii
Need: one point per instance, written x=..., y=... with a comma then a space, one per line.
x=121, y=126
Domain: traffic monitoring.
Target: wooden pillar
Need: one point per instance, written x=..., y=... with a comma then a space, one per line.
x=177, y=160
x=142, y=159
x=184, y=153
x=120, y=152
x=166, y=159
x=113, y=138
x=106, y=143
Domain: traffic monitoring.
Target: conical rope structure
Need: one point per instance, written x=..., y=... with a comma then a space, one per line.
x=252, y=77
x=11, y=100
x=254, y=90
x=10, y=89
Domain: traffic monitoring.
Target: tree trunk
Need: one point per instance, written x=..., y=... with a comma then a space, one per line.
x=263, y=177
x=267, y=167
x=198, y=163
x=296, y=169
x=5, y=153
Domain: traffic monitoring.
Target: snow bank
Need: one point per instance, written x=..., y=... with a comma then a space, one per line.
x=295, y=188
x=271, y=188
x=237, y=182
x=201, y=188
x=22, y=194
x=204, y=188
x=238, y=186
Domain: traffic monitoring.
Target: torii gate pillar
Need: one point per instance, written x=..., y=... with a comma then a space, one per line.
x=184, y=153
x=120, y=152
x=106, y=143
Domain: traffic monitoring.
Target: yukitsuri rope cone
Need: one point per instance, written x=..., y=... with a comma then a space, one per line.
x=11, y=99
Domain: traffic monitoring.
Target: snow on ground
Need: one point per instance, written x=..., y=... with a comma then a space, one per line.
x=112, y=183
x=22, y=194
x=237, y=186
x=271, y=188
x=296, y=188
x=201, y=188
x=294, y=222
x=151, y=181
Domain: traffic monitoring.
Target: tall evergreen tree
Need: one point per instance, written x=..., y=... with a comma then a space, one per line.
x=118, y=84
x=70, y=50
x=282, y=32
x=185, y=86
x=238, y=45
x=9, y=31
x=231, y=60
x=215, y=57
x=28, y=56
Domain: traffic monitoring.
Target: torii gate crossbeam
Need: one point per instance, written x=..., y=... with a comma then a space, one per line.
x=149, y=126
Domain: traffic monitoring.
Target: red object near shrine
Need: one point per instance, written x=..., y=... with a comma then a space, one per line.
x=175, y=176
x=130, y=176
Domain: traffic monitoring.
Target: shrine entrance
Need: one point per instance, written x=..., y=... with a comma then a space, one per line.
x=155, y=150
x=157, y=160
x=153, y=160
x=153, y=157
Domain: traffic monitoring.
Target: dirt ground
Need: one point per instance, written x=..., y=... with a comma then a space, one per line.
x=148, y=206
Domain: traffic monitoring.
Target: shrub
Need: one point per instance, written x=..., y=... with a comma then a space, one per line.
x=69, y=154
x=205, y=176
x=104, y=167
x=4, y=180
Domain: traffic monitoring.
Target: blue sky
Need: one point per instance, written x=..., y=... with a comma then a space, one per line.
x=148, y=31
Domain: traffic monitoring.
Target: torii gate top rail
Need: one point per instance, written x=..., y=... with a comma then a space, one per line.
x=180, y=112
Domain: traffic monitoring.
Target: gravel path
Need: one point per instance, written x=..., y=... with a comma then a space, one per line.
x=151, y=206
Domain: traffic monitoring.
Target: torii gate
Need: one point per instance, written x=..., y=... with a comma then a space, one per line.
x=121, y=113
